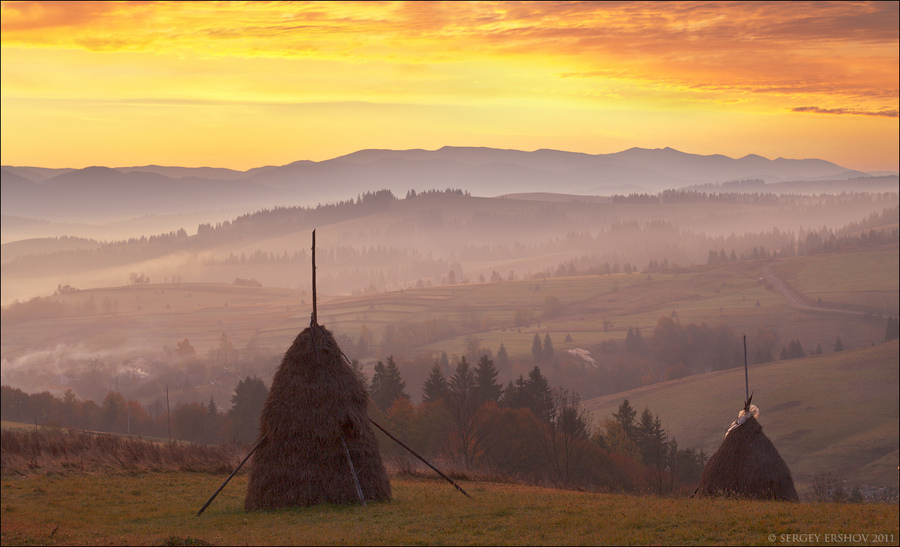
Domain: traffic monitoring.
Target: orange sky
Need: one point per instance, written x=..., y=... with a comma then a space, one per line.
x=242, y=85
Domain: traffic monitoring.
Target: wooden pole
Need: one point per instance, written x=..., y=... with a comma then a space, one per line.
x=168, y=414
x=413, y=452
x=315, y=317
x=233, y=473
x=746, y=375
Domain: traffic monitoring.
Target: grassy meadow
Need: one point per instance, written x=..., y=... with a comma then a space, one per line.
x=160, y=509
x=864, y=279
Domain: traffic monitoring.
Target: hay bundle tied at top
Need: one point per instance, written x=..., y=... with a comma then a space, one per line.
x=747, y=464
x=315, y=407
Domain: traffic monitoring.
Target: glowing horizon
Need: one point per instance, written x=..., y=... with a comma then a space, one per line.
x=242, y=85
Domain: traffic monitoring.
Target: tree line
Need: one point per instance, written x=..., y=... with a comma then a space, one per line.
x=525, y=430
x=192, y=421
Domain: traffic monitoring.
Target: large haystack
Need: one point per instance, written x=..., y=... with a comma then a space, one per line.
x=316, y=399
x=747, y=465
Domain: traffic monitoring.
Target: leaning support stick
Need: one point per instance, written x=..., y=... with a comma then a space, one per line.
x=413, y=452
x=233, y=473
x=359, y=493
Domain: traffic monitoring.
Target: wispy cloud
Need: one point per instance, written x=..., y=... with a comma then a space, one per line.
x=634, y=60
x=763, y=47
x=855, y=112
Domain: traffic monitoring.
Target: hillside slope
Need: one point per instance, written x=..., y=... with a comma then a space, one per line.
x=835, y=412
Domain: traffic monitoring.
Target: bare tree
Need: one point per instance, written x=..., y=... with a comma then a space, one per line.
x=565, y=437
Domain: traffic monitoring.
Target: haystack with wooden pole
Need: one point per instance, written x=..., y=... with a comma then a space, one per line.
x=747, y=465
x=314, y=432
x=315, y=444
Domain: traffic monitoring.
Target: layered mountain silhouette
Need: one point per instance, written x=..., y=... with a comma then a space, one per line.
x=103, y=193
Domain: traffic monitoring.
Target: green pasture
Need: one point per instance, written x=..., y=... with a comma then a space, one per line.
x=836, y=412
x=160, y=509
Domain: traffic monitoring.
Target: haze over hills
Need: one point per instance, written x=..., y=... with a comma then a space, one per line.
x=494, y=249
x=103, y=194
x=382, y=242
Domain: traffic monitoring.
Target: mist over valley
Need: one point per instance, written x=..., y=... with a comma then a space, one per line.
x=641, y=268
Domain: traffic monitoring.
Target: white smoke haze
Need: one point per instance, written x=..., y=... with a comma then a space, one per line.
x=34, y=370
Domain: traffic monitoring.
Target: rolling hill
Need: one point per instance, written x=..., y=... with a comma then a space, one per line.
x=385, y=243
x=835, y=412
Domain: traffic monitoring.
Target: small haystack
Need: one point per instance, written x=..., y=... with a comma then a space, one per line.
x=747, y=464
x=315, y=414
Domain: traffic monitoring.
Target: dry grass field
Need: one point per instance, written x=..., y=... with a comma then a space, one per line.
x=160, y=509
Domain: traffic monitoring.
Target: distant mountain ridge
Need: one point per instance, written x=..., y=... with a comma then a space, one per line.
x=112, y=194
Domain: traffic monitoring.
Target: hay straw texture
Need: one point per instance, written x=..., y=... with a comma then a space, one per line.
x=315, y=399
x=747, y=465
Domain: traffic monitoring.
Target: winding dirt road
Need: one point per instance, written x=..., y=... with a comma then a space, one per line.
x=795, y=300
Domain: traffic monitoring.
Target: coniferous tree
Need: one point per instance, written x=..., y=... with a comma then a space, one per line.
x=650, y=437
x=796, y=351
x=502, y=356
x=377, y=380
x=537, y=349
x=357, y=368
x=548, y=349
x=838, y=344
x=486, y=386
x=638, y=340
x=387, y=384
x=515, y=394
x=509, y=394
x=626, y=418
x=538, y=394
x=213, y=424
x=246, y=404
x=462, y=383
x=436, y=386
